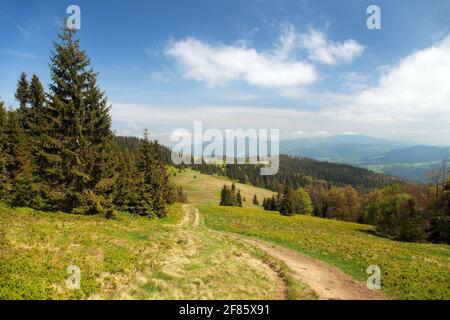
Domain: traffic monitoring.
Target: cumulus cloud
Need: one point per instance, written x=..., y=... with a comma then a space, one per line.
x=416, y=90
x=278, y=67
x=326, y=51
x=219, y=64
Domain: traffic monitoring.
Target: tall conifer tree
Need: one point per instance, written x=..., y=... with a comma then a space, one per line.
x=75, y=133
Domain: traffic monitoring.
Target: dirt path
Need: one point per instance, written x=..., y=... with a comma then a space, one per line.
x=328, y=282
x=196, y=218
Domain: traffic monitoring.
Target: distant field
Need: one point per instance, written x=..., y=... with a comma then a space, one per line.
x=202, y=188
x=409, y=270
x=126, y=258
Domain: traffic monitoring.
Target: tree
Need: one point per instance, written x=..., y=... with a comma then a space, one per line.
x=23, y=91
x=225, y=196
x=19, y=165
x=37, y=103
x=255, y=200
x=238, y=199
x=153, y=189
x=302, y=202
x=343, y=203
x=74, y=163
x=440, y=223
x=287, y=207
x=5, y=182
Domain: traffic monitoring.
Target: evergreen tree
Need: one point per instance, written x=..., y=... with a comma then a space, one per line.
x=238, y=199
x=287, y=203
x=225, y=196
x=153, y=189
x=23, y=91
x=75, y=134
x=37, y=102
x=255, y=200
x=5, y=183
x=19, y=165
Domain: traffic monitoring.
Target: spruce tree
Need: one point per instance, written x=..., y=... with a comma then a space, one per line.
x=225, y=196
x=153, y=188
x=255, y=200
x=5, y=183
x=238, y=202
x=37, y=102
x=19, y=165
x=23, y=91
x=75, y=134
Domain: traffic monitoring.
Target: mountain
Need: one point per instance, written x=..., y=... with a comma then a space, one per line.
x=401, y=159
x=350, y=149
x=414, y=154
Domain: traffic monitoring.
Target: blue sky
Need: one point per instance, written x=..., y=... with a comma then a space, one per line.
x=309, y=68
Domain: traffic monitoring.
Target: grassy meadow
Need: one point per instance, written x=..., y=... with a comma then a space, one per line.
x=409, y=270
x=128, y=258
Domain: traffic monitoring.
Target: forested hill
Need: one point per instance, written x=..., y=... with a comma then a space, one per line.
x=132, y=144
x=295, y=172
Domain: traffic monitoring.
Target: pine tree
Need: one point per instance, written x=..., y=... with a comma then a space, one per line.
x=20, y=165
x=5, y=183
x=287, y=205
x=225, y=196
x=255, y=200
x=153, y=189
x=23, y=91
x=75, y=134
x=37, y=103
x=238, y=199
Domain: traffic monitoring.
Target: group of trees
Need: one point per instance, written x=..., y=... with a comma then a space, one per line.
x=230, y=196
x=295, y=172
x=290, y=202
x=59, y=153
x=406, y=212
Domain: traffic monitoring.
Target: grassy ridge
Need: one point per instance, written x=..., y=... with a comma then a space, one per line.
x=409, y=270
x=125, y=258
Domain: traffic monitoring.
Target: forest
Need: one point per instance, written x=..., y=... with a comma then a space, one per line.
x=58, y=151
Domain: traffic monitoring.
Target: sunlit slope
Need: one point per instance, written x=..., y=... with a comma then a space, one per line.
x=126, y=258
x=408, y=270
x=203, y=188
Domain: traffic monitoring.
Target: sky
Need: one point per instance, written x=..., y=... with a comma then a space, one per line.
x=308, y=68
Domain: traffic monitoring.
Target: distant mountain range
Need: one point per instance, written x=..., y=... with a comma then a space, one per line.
x=402, y=159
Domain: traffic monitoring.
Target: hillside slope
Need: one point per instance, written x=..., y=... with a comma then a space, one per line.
x=408, y=270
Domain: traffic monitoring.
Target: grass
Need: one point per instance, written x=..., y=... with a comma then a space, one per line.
x=125, y=258
x=203, y=188
x=409, y=270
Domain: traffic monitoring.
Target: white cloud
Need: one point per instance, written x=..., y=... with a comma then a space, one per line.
x=326, y=51
x=416, y=90
x=219, y=64
x=354, y=81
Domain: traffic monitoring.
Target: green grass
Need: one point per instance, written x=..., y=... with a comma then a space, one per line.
x=125, y=258
x=203, y=188
x=409, y=270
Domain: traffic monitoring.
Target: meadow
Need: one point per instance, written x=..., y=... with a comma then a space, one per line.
x=408, y=270
x=128, y=257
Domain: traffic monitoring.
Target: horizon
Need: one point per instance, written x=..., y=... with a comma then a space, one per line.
x=311, y=69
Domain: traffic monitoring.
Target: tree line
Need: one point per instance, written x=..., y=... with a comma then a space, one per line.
x=405, y=212
x=59, y=153
x=295, y=172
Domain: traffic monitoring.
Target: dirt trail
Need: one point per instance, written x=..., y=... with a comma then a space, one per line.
x=196, y=218
x=328, y=282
